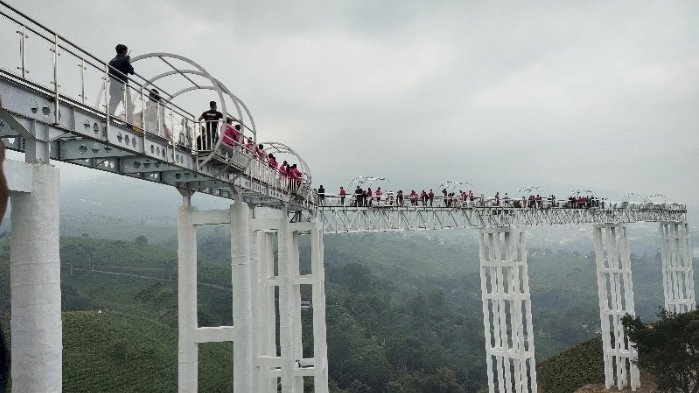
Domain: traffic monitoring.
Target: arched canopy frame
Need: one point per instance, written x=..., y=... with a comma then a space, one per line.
x=278, y=147
x=368, y=181
x=454, y=186
x=532, y=190
x=216, y=86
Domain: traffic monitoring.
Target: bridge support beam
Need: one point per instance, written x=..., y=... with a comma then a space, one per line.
x=35, y=276
x=615, y=290
x=187, y=320
x=678, y=274
x=507, y=314
x=288, y=366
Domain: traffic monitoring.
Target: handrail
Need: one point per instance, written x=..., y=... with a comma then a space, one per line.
x=147, y=116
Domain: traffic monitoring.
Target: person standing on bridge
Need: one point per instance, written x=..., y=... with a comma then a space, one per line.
x=119, y=69
x=343, y=195
x=209, y=135
x=321, y=195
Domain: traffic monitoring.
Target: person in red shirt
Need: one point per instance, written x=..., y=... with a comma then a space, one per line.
x=272, y=161
x=378, y=194
x=343, y=195
x=413, y=198
x=231, y=133
x=430, y=197
x=369, y=197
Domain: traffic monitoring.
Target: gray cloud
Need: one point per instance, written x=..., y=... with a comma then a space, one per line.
x=502, y=94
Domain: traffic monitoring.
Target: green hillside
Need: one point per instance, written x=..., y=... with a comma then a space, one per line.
x=571, y=369
x=114, y=352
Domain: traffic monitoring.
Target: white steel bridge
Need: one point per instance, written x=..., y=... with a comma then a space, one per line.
x=59, y=110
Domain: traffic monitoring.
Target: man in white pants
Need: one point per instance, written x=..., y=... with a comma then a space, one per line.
x=119, y=69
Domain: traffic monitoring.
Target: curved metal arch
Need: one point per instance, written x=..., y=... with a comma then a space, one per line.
x=451, y=185
x=531, y=190
x=217, y=86
x=371, y=180
x=278, y=147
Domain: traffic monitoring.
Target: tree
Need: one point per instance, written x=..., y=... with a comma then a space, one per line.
x=141, y=240
x=669, y=349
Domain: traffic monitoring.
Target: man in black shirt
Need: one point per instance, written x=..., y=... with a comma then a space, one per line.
x=209, y=136
x=119, y=69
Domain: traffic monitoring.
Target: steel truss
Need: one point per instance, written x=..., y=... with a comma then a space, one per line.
x=507, y=311
x=615, y=291
x=342, y=219
x=678, y=274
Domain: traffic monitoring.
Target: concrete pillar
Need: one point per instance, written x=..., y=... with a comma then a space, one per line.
x=242, y=299
x=286, y=311
x=678, y=274
x=35, y=285
x=265, y=312
x=615, y=291
x=297, y=324
x=507, y=315
x=187, y=349
x=320, y=346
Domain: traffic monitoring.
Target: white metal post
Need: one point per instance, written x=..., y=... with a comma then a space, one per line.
x=320, y=346
x=678, y=273
x=35, y=285
x=296, y=326
x=286, y=318
x=265, y=313
x=242, y=299
x=188, y=352
x=507, y=315
x=615, y=291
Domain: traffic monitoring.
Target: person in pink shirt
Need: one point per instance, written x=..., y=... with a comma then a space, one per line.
x=343, y=195
x=430, y=196
x=369, y=196
x=231, y=133
x=413, y=198
x=378, y=194
x=272, y=161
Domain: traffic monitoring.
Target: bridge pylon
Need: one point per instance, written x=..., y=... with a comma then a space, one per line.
x=678, y=274
x=615, y=292
x=507, y=311
x=35, y=277
x=263, y=287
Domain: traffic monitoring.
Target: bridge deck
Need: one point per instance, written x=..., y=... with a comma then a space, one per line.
x=344, y=219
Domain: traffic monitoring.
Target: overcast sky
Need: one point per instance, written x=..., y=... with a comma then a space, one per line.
x=595, y=94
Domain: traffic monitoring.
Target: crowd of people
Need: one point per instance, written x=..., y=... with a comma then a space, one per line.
x=379, y=198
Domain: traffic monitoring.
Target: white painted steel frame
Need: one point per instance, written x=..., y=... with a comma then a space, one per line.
x=190, y=334
x=345, y=219
x=507, y=314
x=615, y=292
x=288, y=366
x=678, y=273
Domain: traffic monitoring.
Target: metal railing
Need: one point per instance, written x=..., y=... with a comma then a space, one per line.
x=55, y=66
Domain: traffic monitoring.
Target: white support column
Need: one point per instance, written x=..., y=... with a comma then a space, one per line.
x=243, y=363
x=35, y=284
x=507, y=314
x=286, y=312
x=297, y=325
x=187, y=321
x=678, y=274
x=265, y=313
x=615, y=290
x=320, y=346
